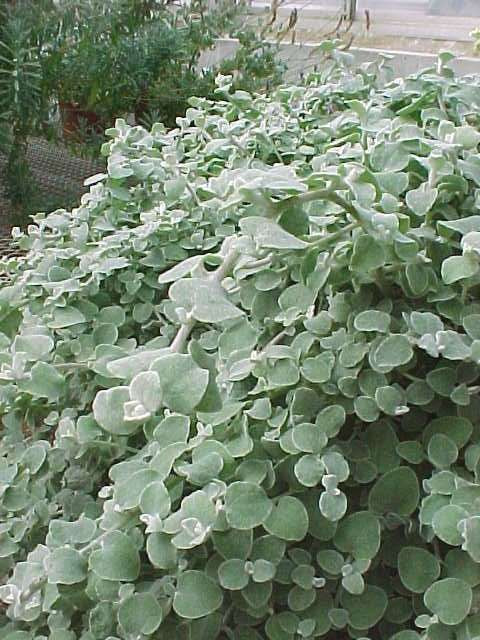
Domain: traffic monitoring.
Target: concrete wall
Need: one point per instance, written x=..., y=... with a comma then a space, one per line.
x=302, y=58
x=454, y=8
x=391, y=21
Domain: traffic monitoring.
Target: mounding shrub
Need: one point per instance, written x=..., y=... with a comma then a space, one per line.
x=239, y=382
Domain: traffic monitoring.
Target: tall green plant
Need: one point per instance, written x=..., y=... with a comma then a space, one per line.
x=113, y=59
x=255, y=65
x=22, y=100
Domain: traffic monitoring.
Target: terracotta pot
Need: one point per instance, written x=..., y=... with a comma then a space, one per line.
x=75, y=120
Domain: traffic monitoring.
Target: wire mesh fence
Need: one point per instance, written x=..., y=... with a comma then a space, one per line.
x=59, y=176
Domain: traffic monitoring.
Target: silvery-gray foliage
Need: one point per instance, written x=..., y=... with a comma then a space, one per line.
x=239, y=382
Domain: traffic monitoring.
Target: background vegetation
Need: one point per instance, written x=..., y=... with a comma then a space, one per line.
x=90, y=62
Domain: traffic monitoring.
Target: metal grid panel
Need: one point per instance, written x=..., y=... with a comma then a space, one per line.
x=57, y=173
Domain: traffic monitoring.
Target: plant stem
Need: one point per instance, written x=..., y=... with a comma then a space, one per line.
x=33, y=588
x=276, y=339
x=71, y=365
x=93, y=543
x=182, y=336
x=104, y=443
x=411, y=377
x=178, y=343
x=321, y=194
x=336, y=235
x=192, y=192
x=227, y=265
x=271, y=143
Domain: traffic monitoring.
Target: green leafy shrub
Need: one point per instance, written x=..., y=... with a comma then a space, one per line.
x=111, y=60
x=99, y=60
x=109, y=72
x=240, y=380
x=255, y=66
x=24, y=101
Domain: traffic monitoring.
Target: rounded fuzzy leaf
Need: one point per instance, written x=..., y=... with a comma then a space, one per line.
x=288, y=519
x=365, y=609
x=319, y=611
x=309, y=470
x=319, y=368
x=395, y=492
x=145, y=388
x=105, y=333
x=331, y=420
x=66, y=317
x=366, y=408
x=116, y=559
x=233, y=543
x=246, y=505
x=155, y=500
x=333, y=505
x=391, y=401
x=269, y=234
x=458, y=564
x=353, y=583
x=336, y=465
x=206, y=300
x=160, y=551
x=36, y=347
x=450, y=599
x=456, y=428
x=411, y=451
x=372, y=320
x=458, y=268
x=445, y=523
x=330, y=561
x=127, y=493
x=196, y=595
x=417, y=568
x=109, y=413
x=61, y=532
x=263, y=570
x=183, y=382
x=368, y=254
x=442, y=451
x=300, y=599
x=140, y=614
x=65, y=565
x=232, y=574
x=421, y=200
x=392, y=352
x=44, y=382
x=359, y=534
